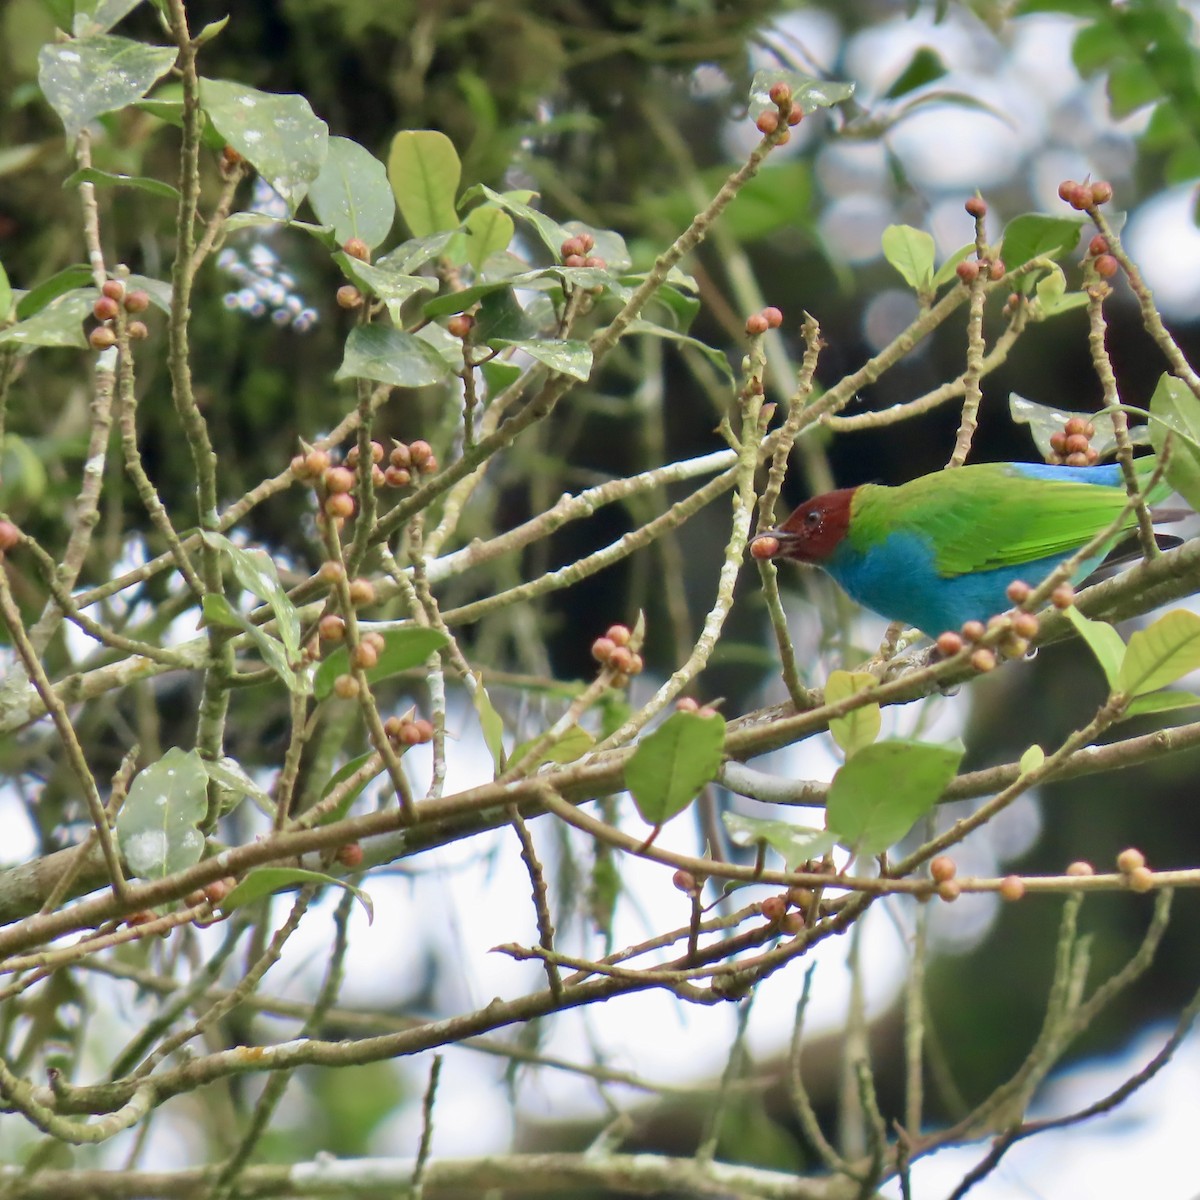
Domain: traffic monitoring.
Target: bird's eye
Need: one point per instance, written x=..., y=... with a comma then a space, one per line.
x=812, y=518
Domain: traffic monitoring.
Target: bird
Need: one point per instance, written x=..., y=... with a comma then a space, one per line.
x=942, y=549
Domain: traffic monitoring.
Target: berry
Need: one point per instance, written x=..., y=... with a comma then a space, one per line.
x=574, y=260
x=339, y=479
x=942, y=869
x=141, y=917
x=1102, y=192
x=340, y=504
x=602, y=649
x=780, y=93
x=410, y=735
x=1077, y=444
x=587, y=242
x=685, y=881
x=102, y=338
x=1098, y=245
x=138, y=331
x=345, y=687
x=972, y=631
x=364, y=656
x=376, y=639
x=619, y=634
x=983, y=660
x=593, y=261
x=757, y=324
x=1141, y=879
x=949, y=643
x=1066, y=189
x=105, y=308
x=376, y=454
x=996, y=269
x=10, y=535
x=331, y=572
x=397, y=477
x=419, y=451
x=316, y=462
x=572, y=246
x=362, y=592
x=976, y=206
x=1058, y=442
x=216, y=891
x=460, y=326
x=349, y=297
x=800, y=897
x=1063, y=596
x=1081, y=197
x=114, y=289
x=378, y=478
x=194, y=898
x=774, y=908
x=424, y=729
x=1012, y=887
x=795, y=116
x=687, y=704
x=636, y=665
x=1025, y=625
x=764, y=546
x=1018, y=591
x=1107, y=266
x=430, y=465
x=357, y=248
x=949, y=891
x=621, y=660
x=331, y=627
x=967, y=270
x=1079, y=425
x=400, y=456
x=392, y=728
x=350, y=855
x=1077, y=459
x=767, y=123
x=137, y=302
x=1079, y=869
x=774, y=317
x=1130, y=860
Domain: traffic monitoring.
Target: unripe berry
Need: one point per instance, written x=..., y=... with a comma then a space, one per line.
x=1098, y=245
x=430, y=465
x=216, y=891
x=949, y=891
x=795, y=115
x=1077, y=444
x=1079, y=425
x=340, y=504
x=1141, y=879
x=996, y=269
x=983, y=660
x=339, y=479
x=780, y=94
x=1012, y=887
x=1077, y=458
x=636, y=664
x=967, y=270
x=972, y=631
x=587, y=242
x=621, y=660
x=1025, y=625
x=349, y=297
x=774, y=908
x=618, y=634
x=1107, y=266
x=460, y=326
x=1058, y=442
x=375, y=638
x=942, y=868
x=137, y=331
x=364, y=656
x=1066, y=189
x=397, y=477
x=602, y=649
x=400, y=456
x=350, y=855
x=687, y=704
x=105, y=309
x=10, y=535
x=331, y=572
x=137, y=302
x=316, y=463
x=685, y=881
x=774, y=317
x=332, y=627
x=593, y=260
x=767, y=122
x=102, y=338
x=362, y=592
x=1130, y=860
x=1080, y=197
x=114, y=289
x=410, y=735
x=357, y=248
x=424, y=729
x=345, y=687
x=1063, y=596
x=1079, y=869
x=976, y=206
x=392, y=727
x=1102, y=192
x=575, y=260
x=419, y=451
x=949, y=643
x=193, y=898
x=800, y=897
x=756, y=325
x=1018, y=591
x=572, y=246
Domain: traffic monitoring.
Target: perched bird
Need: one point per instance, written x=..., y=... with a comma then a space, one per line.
x=942, y=549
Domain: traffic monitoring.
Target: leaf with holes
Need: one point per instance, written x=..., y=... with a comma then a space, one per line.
x=158, y=828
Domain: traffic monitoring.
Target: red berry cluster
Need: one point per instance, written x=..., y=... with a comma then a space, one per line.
x=758, y=323
x=1018, y=629
x=612, y=651
x=969, y=269
x=108, y=305
x=576, y=251
x=407, y=459
x=1072, y=445
x=1082, y=196
x=1103, y=262
x=405, y=731
x=786, y=113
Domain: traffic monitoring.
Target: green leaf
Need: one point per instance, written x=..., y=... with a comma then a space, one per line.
x=392, y=356
x=1035, y=235
x=671, y=765
x=416, y=252
x=69, y=279
x=1032, y=759
x=158, y=827
x=59, y=324
x=808, y=93
x=1044, y=422
x=230, y=775
x=1175, y=410
x=280, y=136
x=795, y=844
x=145, y=183
x=23, y=477
x=1158, y=702
x=573, y=744
x=551, y=232
x=717, y=358
x=1160, y=654
x=490, y=722
x=489, y=230
x=911, y=252
x=424, y=171
x=392, y=287
x=218, y=611
x=403, y=649
x=86, y=77
x=877, y=796
x=860, y=727
x=1104, y=640
x=567, y=357
x=924, y=67
x=456, y=302
x=265, y=881
x=6, y=296
x=946, y=271
x=352, y=194
x=99, y=16
x=255, y=571
x=343, y=805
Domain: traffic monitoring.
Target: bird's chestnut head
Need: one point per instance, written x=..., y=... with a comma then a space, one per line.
x=811, y=534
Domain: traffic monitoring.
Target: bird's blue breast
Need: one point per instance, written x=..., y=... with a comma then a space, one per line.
x=899, y=580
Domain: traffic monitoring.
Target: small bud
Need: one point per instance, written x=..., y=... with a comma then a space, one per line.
x=949, y=891
x=339, y=479
x=10, y=535
x=460, y=326
x=114, y=289
x=349, y=297
x=1012, y=887
x=331, y=572
x=780, y=94
x=1098, y=246
x=430, y=465
x=767, y=123
x=774, y=317
x=983, y=660
x=105, y=308
x=137, y=302
x=1079, y=869
x=1107, y=266
x=756, y=325
x=972, y=631
x=362, y=592
x=364, y=656
x=967, y=270
x=102, y=338
x=619, y=634
x=685, y=881
x=397, y=477
x=996, y=269
x=1102, y=192
x=345, y=687
x=1063, y=596
x=332, y=627
x=1018, y=591
x=774, y=908
x=350, y=855
x=1025, y=625
x=1141, y=879
x=340, y=504
x=764, y=546
x=602, y=649
x=1014, y=647
x=942, y=868
x=977, y=207
x=1130, y=860
x=357, y=248
x=949, y=643
x=137, y=331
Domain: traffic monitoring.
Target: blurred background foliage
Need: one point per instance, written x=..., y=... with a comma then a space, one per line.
x=626, y=116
